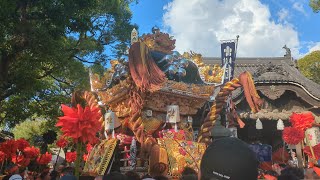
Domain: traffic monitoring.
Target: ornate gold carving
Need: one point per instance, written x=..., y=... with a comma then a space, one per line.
x=100, y=157
x=179, y=86
x=195, y=89
x=195, y=58
x=122, y=108
x=100, y=82
x=212, y=74
x=159, y=101
x=115, y=92
x=273, y=92
x=159, y=41
x=182, y=154
x=151, y=124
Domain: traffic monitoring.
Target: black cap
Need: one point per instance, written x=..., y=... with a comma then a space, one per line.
x=229, y=158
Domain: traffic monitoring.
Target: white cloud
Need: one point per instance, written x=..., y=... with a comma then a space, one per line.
x=315, y=47
x=283, y=15
x=198, y=25
x=299, y=7
x=310, y=46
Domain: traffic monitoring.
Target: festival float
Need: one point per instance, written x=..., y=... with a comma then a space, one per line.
x=159, y=107
x=154, y=112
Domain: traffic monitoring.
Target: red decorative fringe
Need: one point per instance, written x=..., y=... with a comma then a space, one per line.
x=280, y=156
x=144, y=71
x=302, y=121
x=292, y=135
x=252, y=97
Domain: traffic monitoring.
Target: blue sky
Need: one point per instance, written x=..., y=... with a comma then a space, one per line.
x=264, y=26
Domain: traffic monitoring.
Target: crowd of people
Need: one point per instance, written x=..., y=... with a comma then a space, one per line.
x=225, y=158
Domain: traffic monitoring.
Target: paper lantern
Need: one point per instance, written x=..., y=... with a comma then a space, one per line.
x=173, y=114
x=280, y=125
x=111, y=121
x=259, y=124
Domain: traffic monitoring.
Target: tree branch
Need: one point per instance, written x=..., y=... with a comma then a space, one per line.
x=85, y=61
x=46, y=73
x=61, y=81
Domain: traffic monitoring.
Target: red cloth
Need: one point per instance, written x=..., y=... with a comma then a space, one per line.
x=267, y=166
x=280, y=156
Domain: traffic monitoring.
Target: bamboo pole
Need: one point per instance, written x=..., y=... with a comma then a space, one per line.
x=312, y=152
x=299, y=155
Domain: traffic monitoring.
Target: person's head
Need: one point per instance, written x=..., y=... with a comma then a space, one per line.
x=229, y=158
x=189, y=174
x=61, y=167
x=188, y=171
x=7, y=177
x=160, y=178
x=310, y=174
x=54, y=174
x=68, y=177
x=189, y=177
x=272, y=173
x=115, y=176
x=147, y=177
x=98, y=178
x=292, y=172
x=45, y=175
x=88, y=178
x=67, y=171
x=288, y=177
x=131, y=175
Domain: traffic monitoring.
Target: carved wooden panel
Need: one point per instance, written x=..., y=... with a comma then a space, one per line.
x=273, y=92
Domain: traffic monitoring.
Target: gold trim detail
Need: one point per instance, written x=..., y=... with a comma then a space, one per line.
x=100, y=157
x=182, y=154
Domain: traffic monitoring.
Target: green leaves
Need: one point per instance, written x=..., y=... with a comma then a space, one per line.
x=46, y=48
x=315, y=5
x=28, y=129
x=310, y=66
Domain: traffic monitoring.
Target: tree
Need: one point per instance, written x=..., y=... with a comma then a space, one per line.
x=46, y=47
x=315, y=5
x=310, y=66
x=28, y=129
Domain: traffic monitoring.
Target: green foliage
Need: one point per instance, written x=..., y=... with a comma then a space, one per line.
x=315, y=5
x=310, y=66
x=46, y=48
x=28, y=129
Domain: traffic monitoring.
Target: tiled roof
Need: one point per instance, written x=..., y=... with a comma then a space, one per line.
x=273, y=70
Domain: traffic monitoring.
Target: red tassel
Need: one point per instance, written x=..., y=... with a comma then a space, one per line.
x=250, y=92
x=144, y=71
